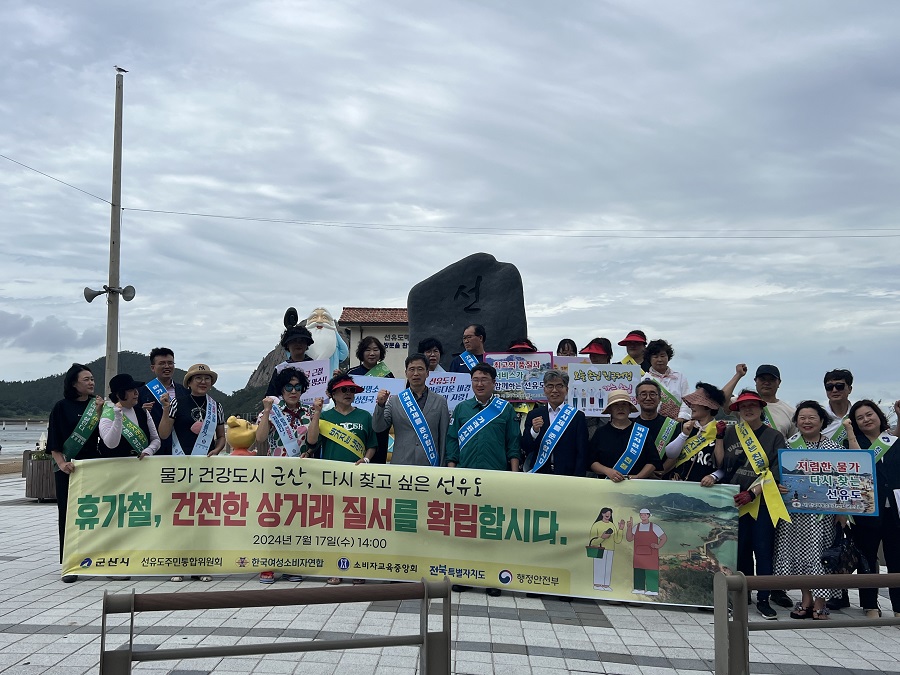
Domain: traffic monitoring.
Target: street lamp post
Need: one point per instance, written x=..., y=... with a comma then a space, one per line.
x=113, y=290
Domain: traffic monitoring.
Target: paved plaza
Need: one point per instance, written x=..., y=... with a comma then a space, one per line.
x=48, y=627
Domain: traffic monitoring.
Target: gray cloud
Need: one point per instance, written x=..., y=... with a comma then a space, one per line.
x=624, y=121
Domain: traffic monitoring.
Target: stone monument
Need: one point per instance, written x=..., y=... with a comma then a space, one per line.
x=476, y=289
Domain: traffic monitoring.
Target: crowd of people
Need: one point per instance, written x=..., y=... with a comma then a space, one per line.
x=666, y=431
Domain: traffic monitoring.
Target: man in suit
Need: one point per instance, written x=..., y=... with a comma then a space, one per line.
x=556, y=438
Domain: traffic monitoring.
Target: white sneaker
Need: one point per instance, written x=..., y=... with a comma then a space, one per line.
x=650, y=593
x=637, y=592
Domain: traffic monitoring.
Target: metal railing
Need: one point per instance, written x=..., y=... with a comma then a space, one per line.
x=434, y=646
x=731, y=633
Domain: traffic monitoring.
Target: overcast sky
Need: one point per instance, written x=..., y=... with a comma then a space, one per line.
x=724, y=175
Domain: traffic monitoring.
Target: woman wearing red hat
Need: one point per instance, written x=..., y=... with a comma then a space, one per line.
x=346, y=431
x=756, y=535
x=599, y=350
x=635, y=344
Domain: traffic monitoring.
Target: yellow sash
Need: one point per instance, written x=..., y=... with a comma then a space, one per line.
x=344, y=438
x=628, y=361
x=693, y=445
x=760, y=463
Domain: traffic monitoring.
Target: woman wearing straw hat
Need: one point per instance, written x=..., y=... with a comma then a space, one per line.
x=195, y=421
x=195, y=418
x=622, y=449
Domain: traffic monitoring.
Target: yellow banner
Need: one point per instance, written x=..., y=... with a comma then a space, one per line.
x=344, y=438
x=524, y=532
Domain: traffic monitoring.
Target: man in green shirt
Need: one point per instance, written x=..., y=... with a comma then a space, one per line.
x=484, y=433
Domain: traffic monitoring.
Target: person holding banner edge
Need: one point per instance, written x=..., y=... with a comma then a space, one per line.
x=483, y=434
x=125, y=432
x=622, y=449
x=556, y=438
x=72, y=434
x=420, y=418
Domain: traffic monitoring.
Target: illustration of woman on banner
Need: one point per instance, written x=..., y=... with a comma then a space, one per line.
x=602, y=547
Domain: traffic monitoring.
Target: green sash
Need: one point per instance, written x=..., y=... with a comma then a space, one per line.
x=665, y=396
x=882, y=444
x=379, y=370
x=767, y=418
x=796, y=442
x=628, y=361
x=840, y=434
x=90, y=418
x=664, y=436
x=131, y=432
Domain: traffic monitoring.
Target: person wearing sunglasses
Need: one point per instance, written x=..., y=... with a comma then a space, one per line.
x=344, y=433
x=284, y=430
x=281, y=431
x=838, y=385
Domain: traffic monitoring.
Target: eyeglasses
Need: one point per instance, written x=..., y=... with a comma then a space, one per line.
x=293, y=387
x=555, y=386
x=346, y=390
x=839, y=386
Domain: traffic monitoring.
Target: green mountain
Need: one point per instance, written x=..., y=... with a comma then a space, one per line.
x=34, y=399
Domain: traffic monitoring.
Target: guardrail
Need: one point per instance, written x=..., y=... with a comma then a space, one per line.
x=731, y=633
x=434, y=646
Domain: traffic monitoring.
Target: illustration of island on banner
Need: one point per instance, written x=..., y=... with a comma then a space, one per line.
x=590, y=385
x=520, y=377
x=639, y=540
x=829, y=481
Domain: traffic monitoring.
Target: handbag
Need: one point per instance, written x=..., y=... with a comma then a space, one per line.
x=843, y=557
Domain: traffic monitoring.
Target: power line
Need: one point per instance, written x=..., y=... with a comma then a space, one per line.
x=47, y=175
x=570, y=234
x=596, y=233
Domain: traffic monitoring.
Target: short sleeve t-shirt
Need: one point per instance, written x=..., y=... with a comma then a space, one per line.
x=357, y=422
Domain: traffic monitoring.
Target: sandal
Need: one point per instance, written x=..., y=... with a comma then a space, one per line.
x=176, y=578
x=873, y=613
x=820, y=614
x=201, y=577
x=333, y=581
x=801, y=612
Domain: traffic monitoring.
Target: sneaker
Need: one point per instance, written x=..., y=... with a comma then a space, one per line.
x=838, y=603
x=493, y=592
x=296, y=578
x=176, y=578
x=651, y=593
x=69, y=578
x=765, y=610
x=458, y=588
x=267, y=577
x=781, y=599
x=638, y=591
x=873, y=613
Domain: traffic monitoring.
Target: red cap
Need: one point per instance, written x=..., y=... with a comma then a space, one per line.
x=594, y=348
x=347, y=382
x=747, y=396
x=633, y=336
x=521, y=348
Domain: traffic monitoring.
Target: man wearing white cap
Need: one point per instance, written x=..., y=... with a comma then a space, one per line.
x=648, y=538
